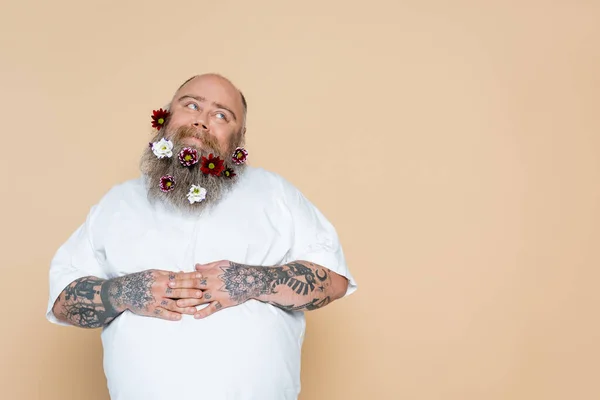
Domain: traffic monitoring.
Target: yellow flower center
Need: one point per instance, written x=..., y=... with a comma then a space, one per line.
x=240, y=155
x=211, y=165
x=169, y=184
x=161, y=121
x=188, y=157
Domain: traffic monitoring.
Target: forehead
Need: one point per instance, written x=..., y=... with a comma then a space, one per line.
x=213, y=89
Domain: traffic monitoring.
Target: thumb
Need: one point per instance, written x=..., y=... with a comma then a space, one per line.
x=200, y=267
x=214, y=264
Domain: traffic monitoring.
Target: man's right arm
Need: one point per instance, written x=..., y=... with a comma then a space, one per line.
x=86, y=303
x=92, y=302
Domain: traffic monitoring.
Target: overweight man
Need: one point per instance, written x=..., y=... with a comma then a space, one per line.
x=199, y=271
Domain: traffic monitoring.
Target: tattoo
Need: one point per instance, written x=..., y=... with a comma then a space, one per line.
x=245, y=282
x=84, y=288
x=313, y=305
x=171, y=276
x=307, y=280
x=91, y=302
x=218, y=305
x=203, y=282
x=85, y=303
x=164, y=303
x=105, y=297
x=321, y=278
x=169, y=290
x=207, y=296
x=133, y=291
x=290, y=278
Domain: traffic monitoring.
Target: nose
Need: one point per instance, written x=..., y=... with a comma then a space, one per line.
x=200, y=125
x=200, y=121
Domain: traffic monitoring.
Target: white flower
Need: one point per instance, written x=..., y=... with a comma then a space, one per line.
x=162, y=148
x=196, y=194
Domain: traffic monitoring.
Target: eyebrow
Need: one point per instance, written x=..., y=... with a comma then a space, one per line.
x=203, y=99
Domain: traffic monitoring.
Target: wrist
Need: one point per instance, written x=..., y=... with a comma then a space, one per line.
x=111, y=295
x=247, y=282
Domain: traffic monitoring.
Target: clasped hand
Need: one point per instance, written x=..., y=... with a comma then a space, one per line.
x=168, y=295
x=214, y=283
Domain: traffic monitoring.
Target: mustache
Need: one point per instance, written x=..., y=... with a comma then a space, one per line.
x=209, y=141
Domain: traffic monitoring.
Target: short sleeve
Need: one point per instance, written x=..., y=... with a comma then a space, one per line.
x=74, y=259
x=315, y=238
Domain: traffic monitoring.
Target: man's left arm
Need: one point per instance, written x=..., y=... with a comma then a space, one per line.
x=313, y=273
x=295, y=286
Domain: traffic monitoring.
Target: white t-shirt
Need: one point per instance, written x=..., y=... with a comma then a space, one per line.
x=246, y=352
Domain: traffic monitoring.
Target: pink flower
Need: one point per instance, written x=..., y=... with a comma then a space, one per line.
x=239, y=156
x=188, y=156
x=167, y=183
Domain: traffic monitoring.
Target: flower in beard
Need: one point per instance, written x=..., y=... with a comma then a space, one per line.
x=239, y=156
x=159, y=117
x=196, y=194
x=162, y=148
x=167, y=183
x=188, y=156
x=212, y=165
x=228, y=173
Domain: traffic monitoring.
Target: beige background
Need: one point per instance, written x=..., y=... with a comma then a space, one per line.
x=454, y=145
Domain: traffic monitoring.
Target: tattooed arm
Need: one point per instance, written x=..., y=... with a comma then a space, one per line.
x=91, y=302
x=296, y=286
x=85, y=303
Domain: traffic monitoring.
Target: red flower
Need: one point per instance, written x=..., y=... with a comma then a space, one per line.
x=228, y=173
x=212, y=165
x=159, y=117
x=239, y=156
x=188, y=156
x=167, y=183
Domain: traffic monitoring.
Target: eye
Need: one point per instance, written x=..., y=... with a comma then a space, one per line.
x=221, y=115
x=192, y=106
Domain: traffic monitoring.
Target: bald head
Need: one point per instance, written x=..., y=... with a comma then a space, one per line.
x=225, y=81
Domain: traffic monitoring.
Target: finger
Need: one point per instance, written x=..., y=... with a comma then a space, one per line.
x=188, y=275
x=196, y=283
x=172, y=305
x=163, y=271
x=190, y=303
x=183, y=293
x=173, y=275
x=183, y=276
x=166, y=314
x=211, y=309
x=200, y=267
x=207, y=297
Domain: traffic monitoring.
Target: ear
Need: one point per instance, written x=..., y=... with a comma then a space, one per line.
x=244, y=132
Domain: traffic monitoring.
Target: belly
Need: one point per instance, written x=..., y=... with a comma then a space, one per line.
x=251, y=351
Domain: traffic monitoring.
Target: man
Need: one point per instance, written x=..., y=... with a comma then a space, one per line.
x=200, y=271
